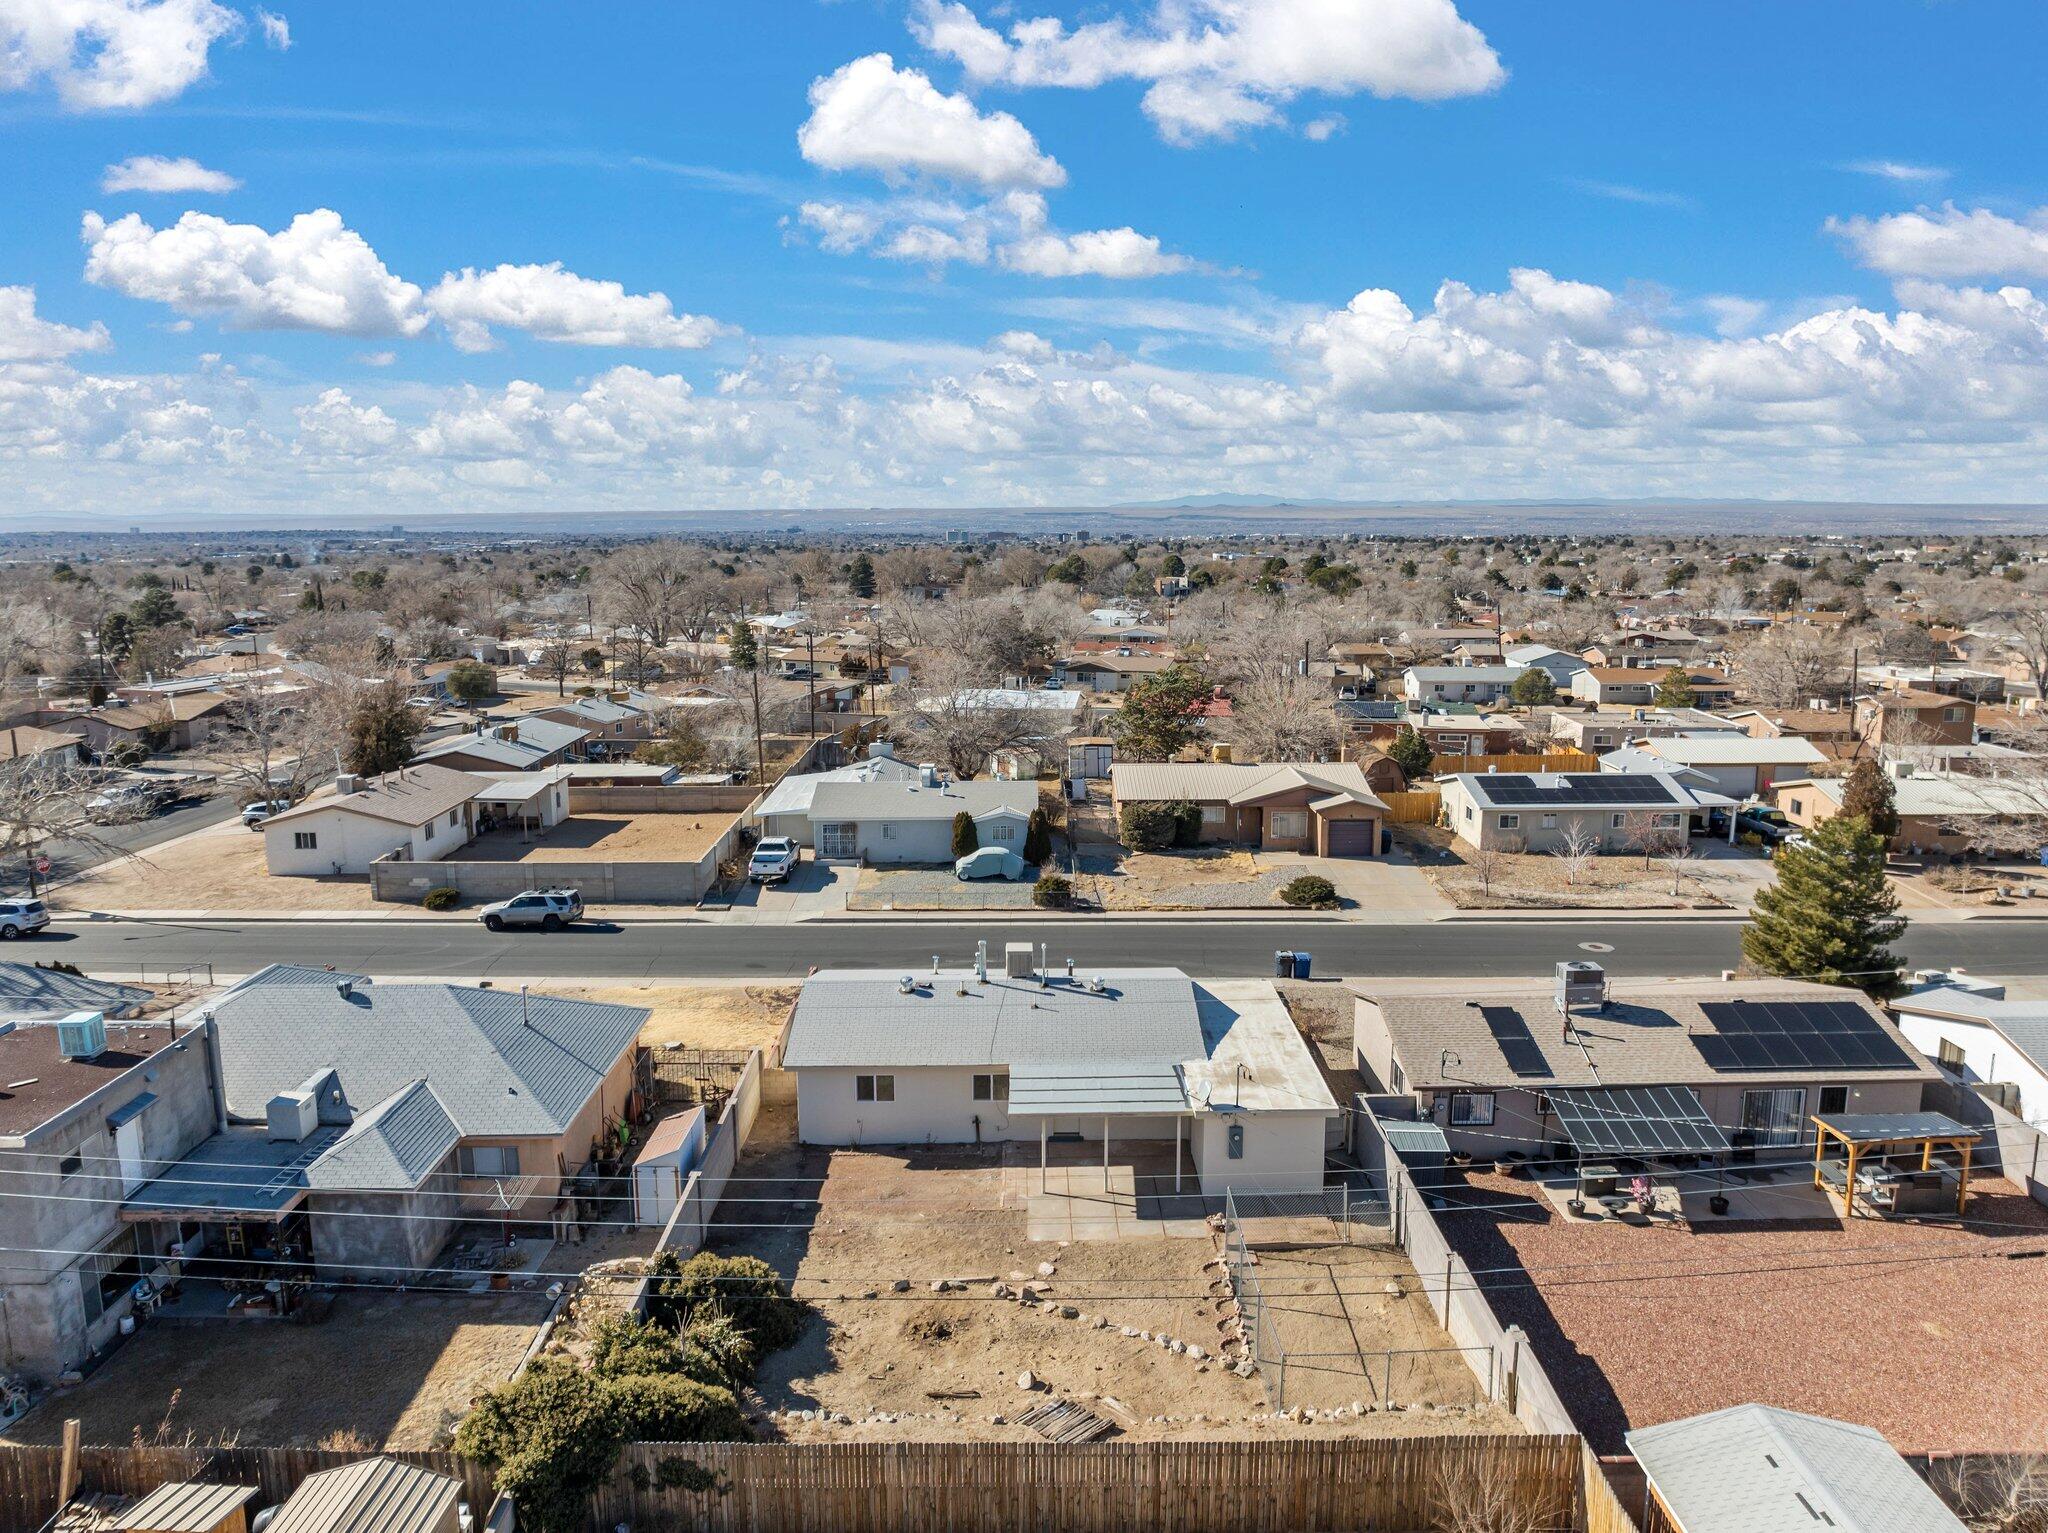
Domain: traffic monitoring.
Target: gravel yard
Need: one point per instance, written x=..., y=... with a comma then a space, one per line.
x=1720, y=879
x=1919, y=1330
x=938, y=889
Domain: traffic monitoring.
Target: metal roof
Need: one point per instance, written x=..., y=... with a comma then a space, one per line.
x=1759, y=1469
x=500, y=1063
x=793, y=794
x=1101, y=1087
x=240, y=1170
x=378, y=1495
x=1237, y=783
x=913, y=801
x=1736, y=750
x=184, y=1506
x=1638, y=1120
x=391, y=1148
x=1406, y=1137
x=1884, y=1127
x=29, y=991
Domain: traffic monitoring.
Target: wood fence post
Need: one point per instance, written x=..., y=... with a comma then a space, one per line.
x=67, y=1472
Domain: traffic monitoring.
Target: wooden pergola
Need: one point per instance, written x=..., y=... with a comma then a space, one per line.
x=1862, y=1135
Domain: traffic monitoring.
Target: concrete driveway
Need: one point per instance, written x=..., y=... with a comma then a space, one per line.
x=814, y=889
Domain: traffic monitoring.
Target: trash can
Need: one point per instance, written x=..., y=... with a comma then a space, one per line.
x=1283, y=965
x=1301, y=961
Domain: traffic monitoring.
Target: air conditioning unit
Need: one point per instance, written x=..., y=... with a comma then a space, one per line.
x=82, y=1035
x=1580, y=983
x=292, y=1115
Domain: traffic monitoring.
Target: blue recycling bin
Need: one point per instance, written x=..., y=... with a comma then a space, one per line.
x=1301, y=963
x=1283, y=965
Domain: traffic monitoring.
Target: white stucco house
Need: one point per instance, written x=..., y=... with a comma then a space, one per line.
x=786, y=811
x=912, y=822
x=423, y=812
x=1972, y=1031
x=962, y=1057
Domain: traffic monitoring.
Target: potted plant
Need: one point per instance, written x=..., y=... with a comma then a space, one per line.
x=1718, y=1202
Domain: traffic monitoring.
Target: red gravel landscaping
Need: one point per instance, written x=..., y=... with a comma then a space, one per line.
x=1932, y=1334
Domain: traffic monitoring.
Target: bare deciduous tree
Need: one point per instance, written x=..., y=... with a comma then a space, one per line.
x=1280, y=715
x=948, y=714
x=1576, y=847
x=42, y=801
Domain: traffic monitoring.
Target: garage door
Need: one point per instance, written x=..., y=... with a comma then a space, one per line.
x=1353, y=838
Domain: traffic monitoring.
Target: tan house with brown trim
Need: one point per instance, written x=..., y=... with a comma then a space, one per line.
x=1323, y=808
x=1908, y=717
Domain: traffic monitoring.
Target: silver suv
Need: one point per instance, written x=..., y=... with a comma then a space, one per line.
x=549, y=909
x=21, y=918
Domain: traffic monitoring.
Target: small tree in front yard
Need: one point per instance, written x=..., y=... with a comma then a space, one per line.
x=471, y=681
x=1534, y=688
x=1488, y=865
x=1146, y=827
x=1870, y=794
x=1675, y=690
x=1411, y=753
x=1679, y=856
x=965, y=837
x=1038, y=837
x=1640, y=832
x=1576, y=848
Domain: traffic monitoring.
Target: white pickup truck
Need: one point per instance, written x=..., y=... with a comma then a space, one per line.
x=774, y=859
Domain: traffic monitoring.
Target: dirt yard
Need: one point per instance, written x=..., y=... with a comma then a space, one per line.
x=219, y=868
x=1324, y=1013
x=607, y=838
x=697, y=1016
x=399, y=1369
x=884, y=1362
x=1533, y=881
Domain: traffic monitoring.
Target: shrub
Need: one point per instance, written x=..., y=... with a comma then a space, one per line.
x=717, y=1349
x=550, y=1437
x=1052, y=892
x=1187, y=823
x=1146, y=827
x=471, y=681
x=1038, y=837
x=1311, y=891
x=965, y=837
x=667, y=1408
x=624, y=1345
x=443, y=898
x=745, y=1287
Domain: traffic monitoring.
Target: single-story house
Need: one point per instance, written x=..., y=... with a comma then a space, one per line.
x=1453, y=729
x=611, y=728
x=1324, y=807
x=498, y=748
x=786, y=811
x=1977, y=1035
x=1602, y=731
x=1111, y=672
x=46, y=747
x=1737, y=766
x=1832, y=729
x=1908, y=717
x=1935, y=808
x=1560, y=665
x=1761, y=1469
x=1536, y=811
x=422, y=813
x=30, y=990
x=1459, y=683
x=1492, y=1061
x=1623, y=686
x=170, y=723
x=912, y=822
x=1126, y=1054
x=528, y=801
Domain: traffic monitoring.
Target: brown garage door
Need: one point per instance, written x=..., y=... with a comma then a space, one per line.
x=1353, y=838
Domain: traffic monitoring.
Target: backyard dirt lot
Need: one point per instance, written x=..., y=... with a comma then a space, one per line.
x=1916, y=1329
x=219, y=868
x=606, y=838
x=947, y=1364
x=697, y=1016
x=399, y=1369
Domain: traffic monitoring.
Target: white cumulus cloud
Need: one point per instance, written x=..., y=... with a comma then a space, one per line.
x=314, y=274
x=276, y=30
x=1948, y=242
x=551, y=304
x=103, y=54
x=1216, y=67
x=26, y=338
x=1095, y=252
x=869, y=115
x=155, y=173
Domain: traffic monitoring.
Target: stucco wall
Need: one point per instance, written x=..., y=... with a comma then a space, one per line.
x=1283, y=1152
x=384, y=1237
x=355, y=841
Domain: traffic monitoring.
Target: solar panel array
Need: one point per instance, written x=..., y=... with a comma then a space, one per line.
x=1638, y=1120
x=1795, y=1035
x=1581, y=790
x=1517, y=1043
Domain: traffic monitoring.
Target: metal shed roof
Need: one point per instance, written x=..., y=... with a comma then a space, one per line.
x=184, y=1506
x=1101, y=1087
x=1638, y=1120
x=378, y=1495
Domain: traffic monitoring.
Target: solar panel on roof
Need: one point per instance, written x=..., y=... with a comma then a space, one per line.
x=1517, y=1043
x=1795, y=1035
x=1582, y=789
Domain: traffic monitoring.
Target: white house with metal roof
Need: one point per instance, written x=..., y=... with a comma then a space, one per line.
x=889, y=821
x=1760, y=1469
x=786, y=811
x=980, y=1056
x=1983, y=1039
x=423, y=813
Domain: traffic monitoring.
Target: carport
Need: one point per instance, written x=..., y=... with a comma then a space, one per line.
x=1105, y=1089
x=1875, y=1144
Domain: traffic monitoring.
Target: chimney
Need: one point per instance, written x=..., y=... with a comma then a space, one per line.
x=885, y=749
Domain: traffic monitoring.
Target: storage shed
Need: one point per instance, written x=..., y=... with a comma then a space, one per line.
x=664, y=1165
x=190, y=1506
x=377, y=1495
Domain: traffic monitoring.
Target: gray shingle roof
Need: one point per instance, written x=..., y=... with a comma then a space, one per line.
x=855, y=1017
x=500, y=1063
x=1644, y=1036
x=1236, y=783
x=2024, y=1023
x=27, y=991
x=392, y=1147
x=410, y=796
x=1759, y=1469
x=910, y=801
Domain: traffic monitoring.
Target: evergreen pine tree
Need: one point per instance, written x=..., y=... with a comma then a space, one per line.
x=860, y=576
x=965, y=837
x=741, y=649
x=1830, y=914
x=1675, y=690
x=1411, y=753
x=1534, y=688
x=1037, y=838
x=1870, y=796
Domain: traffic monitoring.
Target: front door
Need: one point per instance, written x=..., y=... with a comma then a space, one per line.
x=128, y=1146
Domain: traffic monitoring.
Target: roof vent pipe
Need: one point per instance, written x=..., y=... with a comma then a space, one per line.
x=1043, y=977
x=981, y=962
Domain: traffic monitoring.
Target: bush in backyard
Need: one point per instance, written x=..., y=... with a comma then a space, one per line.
x=442, y=898
x=965, y=837
x=550, y=1437
x=1038, y=837
x=668, y=1408
x=125, y=753
x=471, y=681
x=1052, y=892
x=744, y=1287
x=624, y=1345
x=1187, y=823
x=1146, y=827
x=717, y=1348
x=1311, y=891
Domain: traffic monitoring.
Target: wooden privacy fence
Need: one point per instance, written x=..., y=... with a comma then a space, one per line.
x=1418, y=806
x=1547, y=761
x=29, y=1476
x=1391, y=1485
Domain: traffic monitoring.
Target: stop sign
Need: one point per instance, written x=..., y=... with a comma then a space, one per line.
x=42, y=864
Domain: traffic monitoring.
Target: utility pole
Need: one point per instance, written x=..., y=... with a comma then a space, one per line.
x=811, y=681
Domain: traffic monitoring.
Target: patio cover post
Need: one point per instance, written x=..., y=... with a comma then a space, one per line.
x=1041, y=1154
x=1176, y=1151
x=1963, y=1181
x=1105, y=1155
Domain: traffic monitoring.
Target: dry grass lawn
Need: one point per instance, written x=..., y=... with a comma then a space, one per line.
x=1534, y=881
x=219, y=868
x=607, y=838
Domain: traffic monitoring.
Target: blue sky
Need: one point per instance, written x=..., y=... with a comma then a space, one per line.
x=1767, y=250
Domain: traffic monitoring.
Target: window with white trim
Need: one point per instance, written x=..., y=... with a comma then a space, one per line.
x=1950, y=1054
x=874, y=1088
x=1510, y=822
x=992, y=1087
x=1616, y=821
x=1004, y=831
x=305, y=841
x=1471, y=1109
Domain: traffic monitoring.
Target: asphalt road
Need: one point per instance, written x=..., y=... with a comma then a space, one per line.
x=1209, y=948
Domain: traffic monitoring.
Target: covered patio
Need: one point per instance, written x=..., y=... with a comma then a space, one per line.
x=1111, y=1094
x=1652, y=1125
x=1886, y=1162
